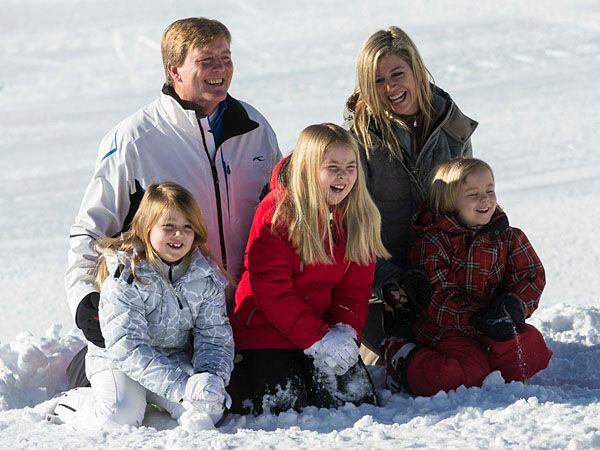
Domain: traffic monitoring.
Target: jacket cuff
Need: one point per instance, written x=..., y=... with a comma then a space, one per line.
x=349, y=329
x=177, y=391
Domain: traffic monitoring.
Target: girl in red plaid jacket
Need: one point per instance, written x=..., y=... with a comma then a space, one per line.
x=486, y=280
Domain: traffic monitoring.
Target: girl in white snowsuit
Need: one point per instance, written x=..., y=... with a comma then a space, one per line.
x=160, y=290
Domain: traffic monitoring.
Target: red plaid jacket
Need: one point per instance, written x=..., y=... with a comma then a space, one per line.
x=469, y=268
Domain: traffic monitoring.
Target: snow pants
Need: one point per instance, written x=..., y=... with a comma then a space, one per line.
x=274, y=381
x=465, y=361
x=113, y=400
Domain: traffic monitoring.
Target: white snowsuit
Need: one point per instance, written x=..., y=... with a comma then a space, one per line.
x=147, y=324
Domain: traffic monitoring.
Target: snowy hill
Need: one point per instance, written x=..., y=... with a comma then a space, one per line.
x=527, y=72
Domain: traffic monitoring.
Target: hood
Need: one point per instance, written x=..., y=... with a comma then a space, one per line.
x=426, y=221
x=279, y=176
x=441, y=103
x=116, y=259
x=351, y=105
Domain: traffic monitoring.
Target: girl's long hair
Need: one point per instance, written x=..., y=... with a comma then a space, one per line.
x=369, y=108
x=303, y=211
x=449, y=177
x=159, y=199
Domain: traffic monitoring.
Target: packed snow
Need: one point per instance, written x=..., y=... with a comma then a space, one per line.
x=527, y=71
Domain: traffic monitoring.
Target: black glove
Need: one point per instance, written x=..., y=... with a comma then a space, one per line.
x=418, y=289
x=502, y=320
x=415, y=284
x=398, y=315
x=397, y=322
x=87, y=321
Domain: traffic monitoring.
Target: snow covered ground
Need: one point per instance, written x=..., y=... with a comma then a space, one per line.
x=527, y=71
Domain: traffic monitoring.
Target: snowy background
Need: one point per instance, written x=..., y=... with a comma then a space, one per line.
x=527, y=71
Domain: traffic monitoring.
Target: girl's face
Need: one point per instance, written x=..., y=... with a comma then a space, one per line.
x=337, y=173
x=476, y=200
x=396, y=86
x=172, y=236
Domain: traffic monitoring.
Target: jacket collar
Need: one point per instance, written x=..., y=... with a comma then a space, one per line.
x=235, y=117
x=427, y=221
x=198, y=266
x=447, y=116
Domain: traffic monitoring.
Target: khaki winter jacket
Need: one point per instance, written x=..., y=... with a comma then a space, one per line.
x=397, y=186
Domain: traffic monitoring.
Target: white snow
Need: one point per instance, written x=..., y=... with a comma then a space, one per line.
x=527, y=71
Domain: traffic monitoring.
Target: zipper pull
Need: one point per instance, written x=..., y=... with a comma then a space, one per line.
x=332, y=227
x=176, y=291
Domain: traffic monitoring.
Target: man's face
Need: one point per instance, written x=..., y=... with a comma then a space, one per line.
x=205, y=75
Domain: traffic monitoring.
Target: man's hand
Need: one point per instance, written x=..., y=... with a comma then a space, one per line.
x=86, y=319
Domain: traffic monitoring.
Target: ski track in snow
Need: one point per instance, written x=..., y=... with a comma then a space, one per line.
x=526, y=71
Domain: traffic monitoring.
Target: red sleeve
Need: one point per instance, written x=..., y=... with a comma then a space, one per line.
x=350, y=303
x=270, y=267
x=525, y=277
x=447, y=308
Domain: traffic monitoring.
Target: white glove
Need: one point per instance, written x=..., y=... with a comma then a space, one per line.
x=206, y=392
x=337, y=351
x=193, y=419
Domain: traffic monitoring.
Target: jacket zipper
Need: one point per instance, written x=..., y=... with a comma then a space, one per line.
x=174, y=290
x=420, y=156
x=440, y=125
x=215, y=176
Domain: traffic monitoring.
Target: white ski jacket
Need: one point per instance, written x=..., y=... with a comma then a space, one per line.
x=147, y=324
x=165, y=142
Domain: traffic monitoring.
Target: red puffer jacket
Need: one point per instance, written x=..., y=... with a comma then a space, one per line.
x=281, y=303
x=469, y=268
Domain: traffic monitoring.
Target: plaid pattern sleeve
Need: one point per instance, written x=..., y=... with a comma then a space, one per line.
x=525, y=277
x=448, y=308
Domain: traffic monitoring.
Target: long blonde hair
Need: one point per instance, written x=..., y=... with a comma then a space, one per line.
x=302, y=208
x=448, y=180
x=159, y=199
x=369, y=107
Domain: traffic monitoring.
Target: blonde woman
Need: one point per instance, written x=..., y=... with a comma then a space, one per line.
x=404, y=125
x=303, y=297
x=160, y=287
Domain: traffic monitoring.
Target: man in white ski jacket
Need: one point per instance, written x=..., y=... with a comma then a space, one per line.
x=222, y=150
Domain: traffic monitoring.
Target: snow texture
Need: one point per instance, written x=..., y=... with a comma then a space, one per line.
x=527, y=71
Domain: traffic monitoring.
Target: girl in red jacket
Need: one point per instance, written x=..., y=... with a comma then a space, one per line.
x=486, y=280
x=303, y=297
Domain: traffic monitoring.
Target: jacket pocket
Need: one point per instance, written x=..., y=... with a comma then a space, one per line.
x=155, y=313
x=256, y=318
